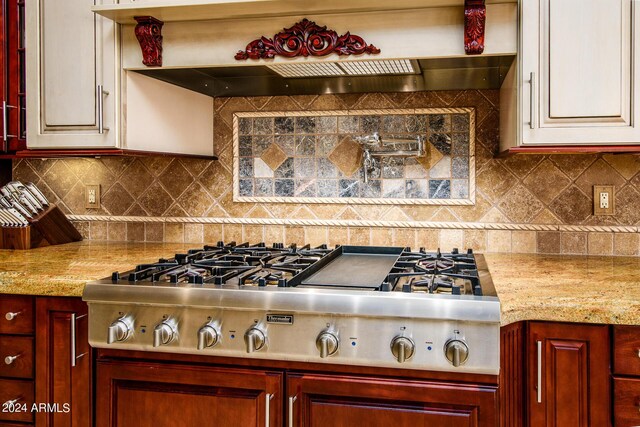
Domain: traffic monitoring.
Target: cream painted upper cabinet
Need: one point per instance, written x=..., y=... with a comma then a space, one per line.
x=71, y=76
x=579, y=79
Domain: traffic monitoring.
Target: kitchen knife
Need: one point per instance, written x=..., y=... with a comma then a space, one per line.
x=18, y=187
x=37, y=193
x=5, y=192
x=3, y=221
x=21, y=221
x=27, y=204
x=20, y=208
x=4, y=202
x=6, y=218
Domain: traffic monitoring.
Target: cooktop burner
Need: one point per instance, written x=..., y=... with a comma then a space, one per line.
x=349, y=305
x=258, y=265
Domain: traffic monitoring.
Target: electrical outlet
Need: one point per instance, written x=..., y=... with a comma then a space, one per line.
x=603, y=200
x=92, y=197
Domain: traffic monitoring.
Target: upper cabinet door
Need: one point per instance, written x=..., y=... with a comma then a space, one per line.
x=71, y=55
x=577, y=72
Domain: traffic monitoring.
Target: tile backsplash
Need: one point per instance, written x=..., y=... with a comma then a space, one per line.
x=524, y=203
x=409, y=156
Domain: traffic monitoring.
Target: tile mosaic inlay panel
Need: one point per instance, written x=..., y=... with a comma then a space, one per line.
x=315, y=157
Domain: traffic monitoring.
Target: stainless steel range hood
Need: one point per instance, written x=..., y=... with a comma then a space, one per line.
x=479, y=72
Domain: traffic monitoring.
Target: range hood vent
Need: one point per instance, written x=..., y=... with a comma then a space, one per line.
x=346, y=68
x=316, y=78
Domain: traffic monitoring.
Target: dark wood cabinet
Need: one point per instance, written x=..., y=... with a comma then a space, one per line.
x=344, y=401
x=568, y=375
x=151, y=394
x=63, y=363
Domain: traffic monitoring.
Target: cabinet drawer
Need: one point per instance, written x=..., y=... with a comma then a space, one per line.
x=626, y=402
x=626, y=350
x=16, y=356
x=22, y=393
x=16, y=314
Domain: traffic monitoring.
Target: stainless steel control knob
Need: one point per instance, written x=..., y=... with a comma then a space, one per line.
x=254, y=339
x=456, y=351
x=165, y=332
x=327, y=344
x=208, y=336
x=120, y=330
x=402, y=348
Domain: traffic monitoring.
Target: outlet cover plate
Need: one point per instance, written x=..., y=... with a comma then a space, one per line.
x=87, y=191
x=597, y=191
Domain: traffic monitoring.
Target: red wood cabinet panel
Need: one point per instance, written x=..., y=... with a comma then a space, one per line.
x=150, y=394
x=626, y=402
x=626, y=350
x=343, y=401
x=63, y=362
x=16, y=314
x=568, y=375
x=18, y=396
x=18, y=352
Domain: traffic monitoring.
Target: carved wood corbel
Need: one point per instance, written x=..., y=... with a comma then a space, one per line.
x=149, y=35
x=475, y=15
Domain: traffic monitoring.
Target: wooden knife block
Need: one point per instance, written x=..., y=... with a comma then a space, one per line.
x=49, y=227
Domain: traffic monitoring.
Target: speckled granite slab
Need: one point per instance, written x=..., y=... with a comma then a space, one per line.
x=567, y=288
x=63, y=270
x=530, y=287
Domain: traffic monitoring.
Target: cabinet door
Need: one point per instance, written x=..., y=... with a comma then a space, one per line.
x=579, y=72
x=318, y=401
x=568, y=375
x=63, y=362
x=146, y=394
x=70, y=54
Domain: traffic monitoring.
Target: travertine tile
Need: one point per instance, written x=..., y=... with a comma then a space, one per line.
x=572, y=206
x=135, y=231
x=498, y=241
x=520, y=205
x=274, y=234
x=193, y=233
x=359, y=236
x=232, y=233
x=274, y=156
x=476, y=240
x=338, y=236
x=600, y=243
x=174, y=233
x=523, y=242
x=627, y=244
x=548, y=242
x=294, y=234
x=381, y=236
x=404, y=237
x=98, y=230
x=450, y=239
x=154, y=232
x=546, y=181
x=347, y=156
x=574, y=243
x=428, y=238
x=315, y=236
x=253, y=233
x=117, y=231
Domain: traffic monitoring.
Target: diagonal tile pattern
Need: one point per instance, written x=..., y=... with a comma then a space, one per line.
x=558, y=187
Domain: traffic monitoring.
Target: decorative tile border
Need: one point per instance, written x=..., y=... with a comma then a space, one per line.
x=250, y=186
x=363, y=223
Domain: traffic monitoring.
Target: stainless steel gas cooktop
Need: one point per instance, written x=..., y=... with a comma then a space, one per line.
x=352, y=305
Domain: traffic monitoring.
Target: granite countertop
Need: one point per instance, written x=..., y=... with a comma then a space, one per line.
x=530, y=287
x=567, y=288
x=63, y=270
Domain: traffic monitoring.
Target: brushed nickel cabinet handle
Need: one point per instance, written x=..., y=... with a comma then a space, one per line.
x=74, y=355
x=539, y=391
x=532, y=103
x=100, y=94
x=267, y=411
x=292, y=400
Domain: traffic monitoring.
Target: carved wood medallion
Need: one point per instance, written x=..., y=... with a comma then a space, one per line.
x=306, y=38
